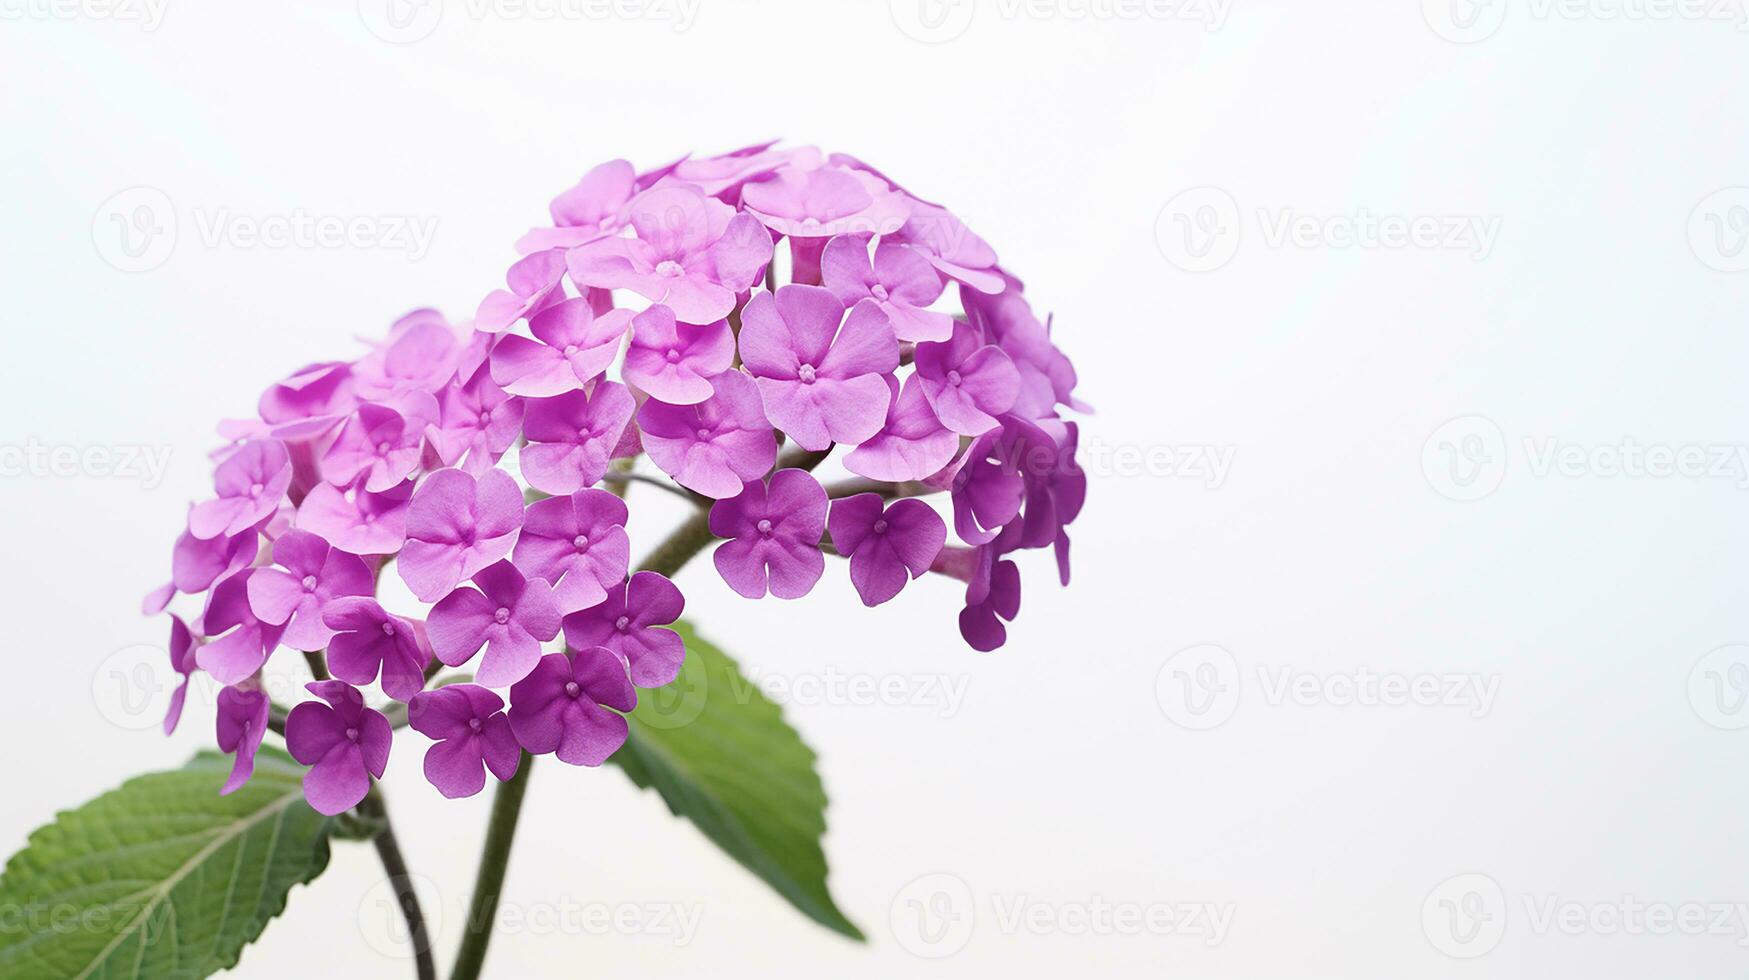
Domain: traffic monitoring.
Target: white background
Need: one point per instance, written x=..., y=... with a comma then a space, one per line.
x=1605, y=313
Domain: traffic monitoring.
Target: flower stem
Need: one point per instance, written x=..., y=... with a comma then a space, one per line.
x=685, y=541
x=389, y=850
x=489, y=882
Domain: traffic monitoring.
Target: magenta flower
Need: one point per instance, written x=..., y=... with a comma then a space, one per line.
x=182, y=660
x=992, y=598
x=534, y=282
x=690, y=252
x=587, y=211
x=578, y=543
x=821, y=382
x=509, y=615
x=724, y=174
x=472, y=735
x=571, y=437
x=380, y=444
x=574, y=347
x=562, y=706
x=195, y=564
x=476, y=423
x=676, y=362
x=775, y=534
x=900, y=281
x=628, y=622
x=988, y=488
x=885, y=543
x=716, y=445
x=241, y=723
x=967, y=383
x=951, y=247
x=825, y=201
x=311, y=575
x=250, y=484
x=457, y=525
x=343, y=742
x=241, y=641
x=369, y=640
x=357, y=520
x=912, y=445
x=317, y=391
x=423, y=353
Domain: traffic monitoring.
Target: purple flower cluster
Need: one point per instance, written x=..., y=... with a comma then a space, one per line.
x=403, y=457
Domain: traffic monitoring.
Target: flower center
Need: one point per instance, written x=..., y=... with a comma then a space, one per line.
x=806, y=373
x=571, y=689
x=580, y=542
x=810, y=222
x=880, y=526
x=570, y=350
x=673, y=354
x=622, y=623
x=583, y=433
x=704, y=433
x=764, y=527
x=382, y=449
x=485, y=418
x=352, y=734
x=878, y=291
x=388, y=629
x=474, y=723
x=953, y=378
x=669, y=269
x=309, y=583
x=255, y=489
x=502, y=615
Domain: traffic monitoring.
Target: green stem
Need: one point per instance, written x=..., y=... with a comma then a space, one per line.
x=401, y=881
x=489, y=882
x=687, y=540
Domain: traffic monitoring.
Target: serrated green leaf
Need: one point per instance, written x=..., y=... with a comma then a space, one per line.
x=162, y=877
x=720, y=754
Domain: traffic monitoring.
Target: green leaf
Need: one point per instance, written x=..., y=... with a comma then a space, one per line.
x=162, y=877
x=722, y=756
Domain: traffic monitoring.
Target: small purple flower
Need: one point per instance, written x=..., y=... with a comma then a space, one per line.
x=689, y=252
x=988, y=487
x=196, y=563
x=182, y=660
x=310, y=576
x=509, y=615
x=571, y=437
x=369, y=640
x=900, y=280
x=574, y=347
x=380, y=444
x=887, y=544
x=951, y=247
x=423, y=352
x=533, y=281
x=912, y=445
x=968, y=384
x=250, y=484
x=628, y=622
x=317, y=391
x=821, y=383
x=477, y=421
x=457, y=525
x=357, y=520
x=715, y=446
x=343, y=742
x=674, y=361
x=775, y=534
x=587, y=211
x=242, y=721
x=578, y=543
x=472, y=735
x=562, y=706
x=245, y=641
x=992, y=598
x=723, y=174
x=821, y=202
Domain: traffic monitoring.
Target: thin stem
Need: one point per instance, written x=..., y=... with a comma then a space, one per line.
x=489, y=882
x=682, y=544
x=389, y=850
x=318, y=664
x=850, y=488
x=624, y=478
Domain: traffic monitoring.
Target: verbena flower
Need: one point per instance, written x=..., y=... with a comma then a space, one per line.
x=643, y=330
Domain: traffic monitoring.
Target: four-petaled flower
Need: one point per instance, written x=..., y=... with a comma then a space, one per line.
x=676, y=361
x=825, y=201
x=533, y=281
x=887, y=544
x=562, y=706
x=509, y=615
x=380, y=445
x=572, y=437
x=242, y=720
x=250, y=485
x=245, y=641
x=310, y=575
x=968, y=383
x=575, y=346
x=578, y=543
x=628, y=622
x=821, y=382
x=716, y=445
x=775, y=536
x=369, y=639
x=900, y=280
x=476, y=423
x=356, y=520
x=912, y=445
x=472, y=735
x=343, y=742
x=457, y=525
